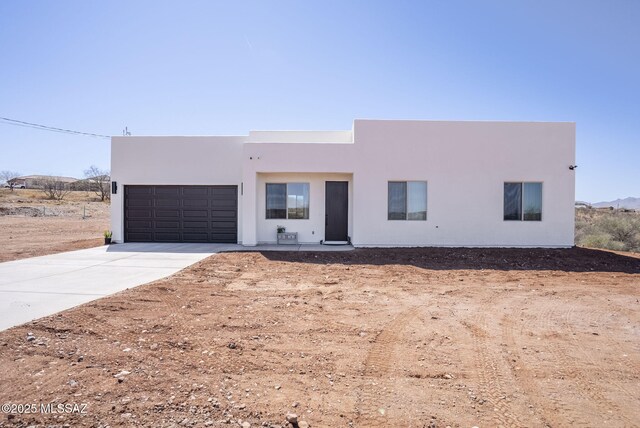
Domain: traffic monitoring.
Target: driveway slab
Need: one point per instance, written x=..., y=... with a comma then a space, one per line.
x=40, y=286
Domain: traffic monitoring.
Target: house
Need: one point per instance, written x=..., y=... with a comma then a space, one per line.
x=383, y=183
x=17, y=182
x=37, y=181
x=91, y=183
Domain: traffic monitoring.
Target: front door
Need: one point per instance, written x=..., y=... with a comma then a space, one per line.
x=336, y=208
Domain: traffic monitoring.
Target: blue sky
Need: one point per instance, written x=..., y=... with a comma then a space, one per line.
x=224, y=68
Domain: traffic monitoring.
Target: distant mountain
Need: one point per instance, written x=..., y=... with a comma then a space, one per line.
x=629, y=203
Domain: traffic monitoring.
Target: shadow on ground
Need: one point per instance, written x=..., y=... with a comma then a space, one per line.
x=177, y=248
x=574, y=259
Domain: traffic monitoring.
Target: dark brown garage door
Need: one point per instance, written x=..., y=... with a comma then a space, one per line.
x=181, y=214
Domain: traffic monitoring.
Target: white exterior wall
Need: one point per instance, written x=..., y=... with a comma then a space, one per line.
x=303, y=158
x=173, y=161
x=309, y=230
x=464, y=163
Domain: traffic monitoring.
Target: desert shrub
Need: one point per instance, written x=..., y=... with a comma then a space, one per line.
x=610, y=229
x=7, y=177
x=602, y=240
x=622, y=229
x=54, y=188
x=98, y=181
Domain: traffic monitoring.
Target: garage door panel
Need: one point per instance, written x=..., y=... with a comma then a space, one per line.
x=140, y=203
x=219, y=214
x=160, y=236
x=195, y=213
x=163, y=224
x=196, y=192
x=166, y=192
x=225, y=203
x=196, y=237
x=167, y=203
x=140, y=190
x=223, y=238
x=224, y=225
x=204, y=224
x=131, y=213
x=139, y=224
x=140, y=236
x=181, y=214
x=196, y=203
x=224, y=192
x=159, y=213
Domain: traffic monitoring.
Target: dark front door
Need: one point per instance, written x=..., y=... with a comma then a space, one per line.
x=336, y=211
x=181, y=214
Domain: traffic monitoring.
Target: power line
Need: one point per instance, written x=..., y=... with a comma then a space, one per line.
x=15, y=122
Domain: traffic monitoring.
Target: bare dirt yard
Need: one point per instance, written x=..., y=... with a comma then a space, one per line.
x=368, y=338
x=31, y=225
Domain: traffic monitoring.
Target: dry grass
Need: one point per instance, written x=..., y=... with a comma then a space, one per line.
x=32, y=195
x=608, y=229
x=31, y=225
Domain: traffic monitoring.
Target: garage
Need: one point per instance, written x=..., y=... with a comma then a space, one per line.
x=181, y=214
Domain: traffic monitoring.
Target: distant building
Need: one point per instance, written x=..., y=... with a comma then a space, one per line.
x=92, y=183
x=36, y=181
x=583, y=205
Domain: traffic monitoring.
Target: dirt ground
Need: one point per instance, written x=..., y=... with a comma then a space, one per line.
x=31, y=225
x=368, y=338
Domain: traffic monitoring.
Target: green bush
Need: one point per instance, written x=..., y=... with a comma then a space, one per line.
x=609, y=229
x=602, y=241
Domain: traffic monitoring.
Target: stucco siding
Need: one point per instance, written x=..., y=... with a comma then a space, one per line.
x=173, y=161
x=464, y=163
x=309, y=230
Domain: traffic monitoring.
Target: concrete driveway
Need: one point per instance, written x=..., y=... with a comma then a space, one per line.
x=40, y=286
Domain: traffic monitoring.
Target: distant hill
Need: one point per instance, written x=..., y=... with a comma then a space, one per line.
x=629, y=203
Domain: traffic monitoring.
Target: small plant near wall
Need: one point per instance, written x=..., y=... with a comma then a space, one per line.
x=107, y=237
x=285, y=237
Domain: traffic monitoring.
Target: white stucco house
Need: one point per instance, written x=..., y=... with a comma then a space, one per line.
x=383, y=183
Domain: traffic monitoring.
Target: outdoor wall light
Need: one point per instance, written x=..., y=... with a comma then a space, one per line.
x=572, y=167
x=114, y=187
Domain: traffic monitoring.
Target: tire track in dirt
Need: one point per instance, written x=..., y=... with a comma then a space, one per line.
x=545, y=405
x=566, y=368
x=590, y=319
x=378, y=369
x=603, y=318
x=546, y=321
x=490, y=376
x=629, y=313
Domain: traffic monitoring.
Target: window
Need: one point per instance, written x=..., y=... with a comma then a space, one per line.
x=276, y=200
x=298, y=201
x=523, y=201
x=407, y=200
x=288, y=200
